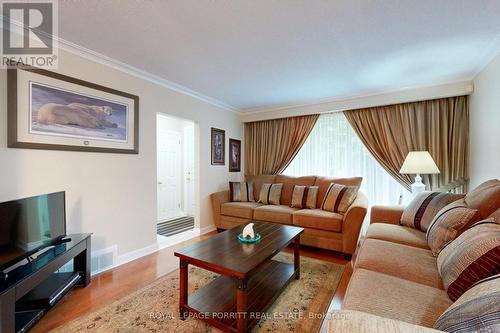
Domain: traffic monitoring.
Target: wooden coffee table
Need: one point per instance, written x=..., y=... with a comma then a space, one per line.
x=246, y=270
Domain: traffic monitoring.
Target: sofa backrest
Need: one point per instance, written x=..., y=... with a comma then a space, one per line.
x=258, y=181
x=324, y=182
x=289, y=182
x=485, y=198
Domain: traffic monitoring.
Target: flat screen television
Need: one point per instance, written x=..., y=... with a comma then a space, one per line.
x=30, y=224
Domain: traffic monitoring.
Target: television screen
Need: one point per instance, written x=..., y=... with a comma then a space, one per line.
x=26, y=225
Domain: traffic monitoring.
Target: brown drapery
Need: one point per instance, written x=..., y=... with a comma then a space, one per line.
x=270, y=145
x=439, y=126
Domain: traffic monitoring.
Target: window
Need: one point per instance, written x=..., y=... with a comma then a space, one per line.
x=333, y=149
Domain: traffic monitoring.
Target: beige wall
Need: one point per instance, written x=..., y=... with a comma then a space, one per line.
x=485, y=125
x=114, y=195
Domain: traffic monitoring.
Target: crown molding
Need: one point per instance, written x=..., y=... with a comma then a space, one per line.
x=327, y=105
x=139, y=73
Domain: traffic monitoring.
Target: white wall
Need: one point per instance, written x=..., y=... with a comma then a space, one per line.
x=485, y=125
x=114, y=195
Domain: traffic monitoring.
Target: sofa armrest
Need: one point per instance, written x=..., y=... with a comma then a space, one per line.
x=347, y=321
x=353, y=220
x=218, y=198
x=386, y=214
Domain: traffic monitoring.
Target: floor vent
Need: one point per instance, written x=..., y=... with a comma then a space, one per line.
x=175, y=226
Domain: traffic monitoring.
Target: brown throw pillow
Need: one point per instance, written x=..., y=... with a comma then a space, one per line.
x=450, y=222
x=422, y=209
x=472, y=257
x=270, y=194
x=241, y=192
x=304, y=197
x=477, y=310
x=338, y=198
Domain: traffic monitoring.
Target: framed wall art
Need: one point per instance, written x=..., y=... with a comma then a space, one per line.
x=218, y=146
x=47, y=110
x=234, y=155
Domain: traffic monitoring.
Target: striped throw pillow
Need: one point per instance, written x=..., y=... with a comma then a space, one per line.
x=270, y=194
x=241, y=192
x=471, y=257
x=450, y=222
x=422, y=209
x=477, y=310
x=304, y=196
x=338, y=198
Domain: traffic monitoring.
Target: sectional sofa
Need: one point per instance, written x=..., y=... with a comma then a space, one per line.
x=322, y=229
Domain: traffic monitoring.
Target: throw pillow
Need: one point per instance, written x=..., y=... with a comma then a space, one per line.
x=485, y=197
x=450, y=222
x=304, y=196
x=473, y=256
x=338, y=198
x=270, y=194
x=422, y=209
x=477, y=310
x=241, y=192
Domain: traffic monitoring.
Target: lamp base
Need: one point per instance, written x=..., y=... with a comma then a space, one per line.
x=417, y=186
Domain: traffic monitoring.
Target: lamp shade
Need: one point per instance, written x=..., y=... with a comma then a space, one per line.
x=419, y=162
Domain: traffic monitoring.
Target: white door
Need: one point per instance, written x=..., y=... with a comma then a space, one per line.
x=189, y=180
x=169, y=175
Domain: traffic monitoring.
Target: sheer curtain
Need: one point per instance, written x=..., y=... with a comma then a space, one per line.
x=333, y=149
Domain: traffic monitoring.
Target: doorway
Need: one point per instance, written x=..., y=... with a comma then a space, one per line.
x=175, y=175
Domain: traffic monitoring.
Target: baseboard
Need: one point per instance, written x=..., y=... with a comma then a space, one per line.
x=207, y=229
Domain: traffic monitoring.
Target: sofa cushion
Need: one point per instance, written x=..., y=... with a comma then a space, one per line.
x=473, y=256
x=270, y=194
x=258, y=181
x=450, y=222
x=323, y=184
x=318, y=219
x=241, y=191
x=288, y=184
x=485, y=197
x=402, y=261
x=422, y=209
x=477, y=310
x=339, y=197
x=391, y=297
x=397, y=234
x=271, y=213
x=304, y=197
x=239, y=209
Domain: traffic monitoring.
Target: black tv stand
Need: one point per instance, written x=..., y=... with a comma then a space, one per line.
x=30, y=290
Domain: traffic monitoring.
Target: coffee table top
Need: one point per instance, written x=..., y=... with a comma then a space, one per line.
x=224, y=254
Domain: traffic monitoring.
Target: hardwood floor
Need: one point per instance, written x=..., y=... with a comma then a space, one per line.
x=118, y=282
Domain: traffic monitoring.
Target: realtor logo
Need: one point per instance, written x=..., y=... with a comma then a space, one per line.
x=28, y=30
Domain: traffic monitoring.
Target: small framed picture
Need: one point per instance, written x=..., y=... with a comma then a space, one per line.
x=234, y=155
x=48, y=110
x=218, y=146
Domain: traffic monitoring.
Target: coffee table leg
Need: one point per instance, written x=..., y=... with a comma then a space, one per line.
x=183, y=289
x=296, y=257
x=241, y=305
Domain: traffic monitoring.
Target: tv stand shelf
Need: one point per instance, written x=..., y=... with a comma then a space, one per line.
x=28, y=277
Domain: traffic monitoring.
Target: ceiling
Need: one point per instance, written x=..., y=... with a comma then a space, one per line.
x=255, y=53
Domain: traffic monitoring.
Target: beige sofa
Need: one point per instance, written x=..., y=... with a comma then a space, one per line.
x=322, y=229
x=395, y=285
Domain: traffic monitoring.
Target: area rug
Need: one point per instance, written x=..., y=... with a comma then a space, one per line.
x=300, y=307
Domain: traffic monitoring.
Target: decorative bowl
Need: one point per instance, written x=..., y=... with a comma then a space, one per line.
x=249, y=240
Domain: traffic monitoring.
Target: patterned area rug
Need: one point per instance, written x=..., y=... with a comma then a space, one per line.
x=154, y=308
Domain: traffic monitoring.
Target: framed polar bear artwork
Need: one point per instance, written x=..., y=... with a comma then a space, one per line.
x=47, y=110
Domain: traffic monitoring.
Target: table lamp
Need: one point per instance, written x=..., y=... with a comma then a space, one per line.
x=418, y=162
